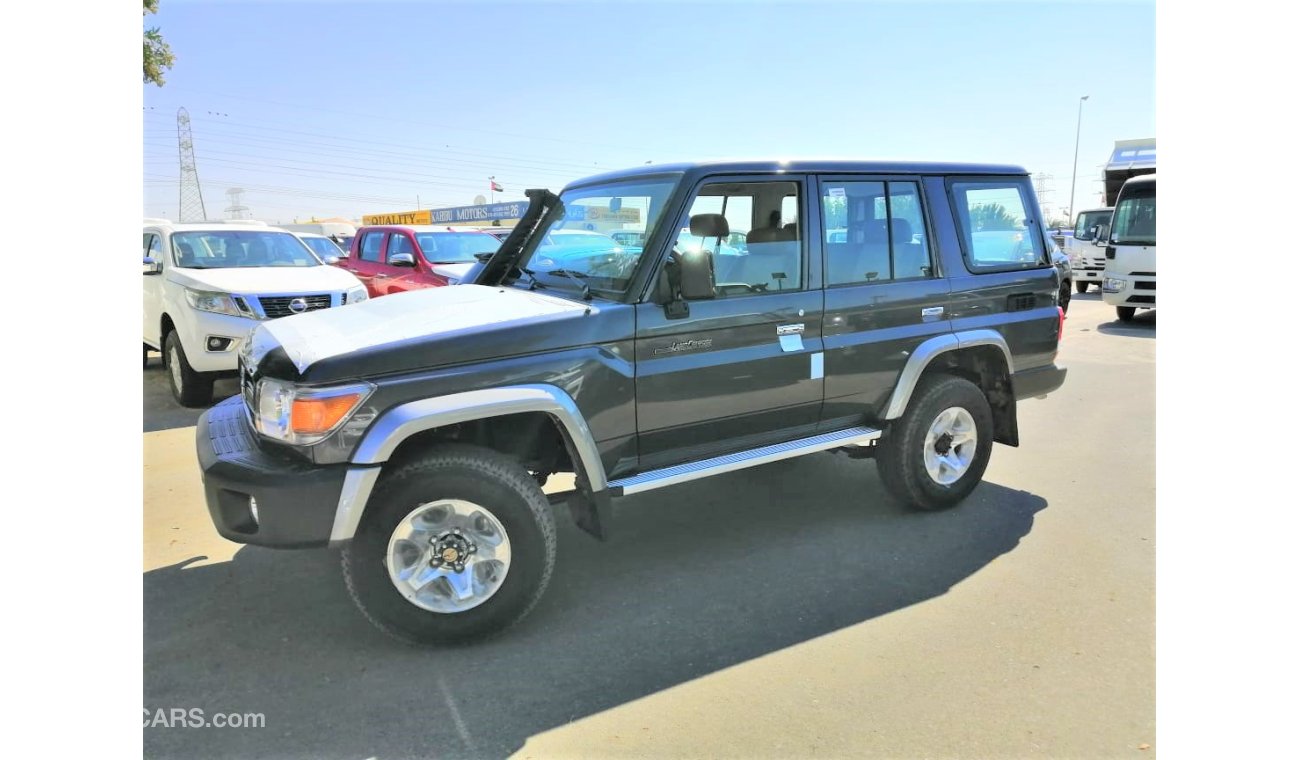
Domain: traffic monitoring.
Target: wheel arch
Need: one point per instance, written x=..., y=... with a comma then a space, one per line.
x=981, y=356
x=525, y=415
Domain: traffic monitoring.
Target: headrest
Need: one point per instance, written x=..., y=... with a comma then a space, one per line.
x=764, y=235
x=873, y=231
x=709, y=225
x=901, y=229
x=185, y=248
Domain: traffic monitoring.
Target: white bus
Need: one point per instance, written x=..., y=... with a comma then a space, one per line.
x=1130, y=279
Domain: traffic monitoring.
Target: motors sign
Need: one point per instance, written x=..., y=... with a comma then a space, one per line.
x=486, y=213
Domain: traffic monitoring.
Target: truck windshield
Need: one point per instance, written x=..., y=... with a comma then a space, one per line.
x=231, y=249
x=579, y=245
x=1087, y=220
x=1135, y=218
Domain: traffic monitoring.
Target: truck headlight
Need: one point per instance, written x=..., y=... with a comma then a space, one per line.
x=1113, y=285
x=303, y=416
x=357, y=294
x=217, y=303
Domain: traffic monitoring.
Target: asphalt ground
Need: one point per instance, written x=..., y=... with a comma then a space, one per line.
x=787, y=610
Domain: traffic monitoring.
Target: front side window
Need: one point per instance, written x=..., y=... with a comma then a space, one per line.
x=399, y=243
x=762, y=251
x=996, y=225
x=240, y=249
x=875, y=232
x=577, y=245
x=1135, y=218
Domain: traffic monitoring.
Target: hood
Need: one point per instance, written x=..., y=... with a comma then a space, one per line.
x=266, y=280
x=390, y=323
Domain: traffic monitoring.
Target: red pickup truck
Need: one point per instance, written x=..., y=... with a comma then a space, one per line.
x=397, y=258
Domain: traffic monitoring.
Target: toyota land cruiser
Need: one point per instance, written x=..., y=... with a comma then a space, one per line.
x=888, y=311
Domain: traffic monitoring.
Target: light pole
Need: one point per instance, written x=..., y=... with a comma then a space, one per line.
x=1075, y=173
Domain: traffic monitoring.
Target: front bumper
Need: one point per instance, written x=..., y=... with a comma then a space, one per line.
x=296, y=500
x=1037, y=382
x=1088, y=274
x=201, y=325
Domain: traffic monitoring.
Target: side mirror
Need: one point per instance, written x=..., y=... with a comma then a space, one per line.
x=401, y=260
x=1100, y=233
x=152, y=265
x=331, y=260
x=697, y=280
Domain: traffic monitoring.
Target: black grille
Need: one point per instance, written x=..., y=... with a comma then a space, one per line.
x=1142, y=274
x=278, y=306
x=1020, y=302
x=1142, y=299
x=1144, y=285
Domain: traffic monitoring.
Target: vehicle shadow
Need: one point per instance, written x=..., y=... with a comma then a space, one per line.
x=161, y=412
x=696, y=578
x=1142, y=326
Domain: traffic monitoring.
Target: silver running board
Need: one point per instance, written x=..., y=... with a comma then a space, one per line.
x=704, y=468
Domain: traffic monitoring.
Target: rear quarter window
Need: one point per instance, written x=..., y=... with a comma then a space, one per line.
x=997, y=224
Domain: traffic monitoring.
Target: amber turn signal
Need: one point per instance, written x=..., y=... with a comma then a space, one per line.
x=320, y=415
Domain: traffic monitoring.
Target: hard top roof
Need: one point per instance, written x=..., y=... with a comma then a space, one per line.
x=804, y=166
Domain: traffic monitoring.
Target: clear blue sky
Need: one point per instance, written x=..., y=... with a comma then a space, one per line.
x=345, y=108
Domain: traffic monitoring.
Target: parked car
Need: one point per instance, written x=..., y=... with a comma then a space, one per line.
x=208, y=284
x=325, y=248
x=414, y=432
x=400, y=258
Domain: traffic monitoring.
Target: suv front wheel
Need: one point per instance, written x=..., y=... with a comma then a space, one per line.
x=190, y=388
x=457, y=544
x=936, y=453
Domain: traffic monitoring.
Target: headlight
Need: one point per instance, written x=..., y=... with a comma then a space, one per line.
x=304, y=416
x=1113, y=285
x=217, y=303
x=357, y=294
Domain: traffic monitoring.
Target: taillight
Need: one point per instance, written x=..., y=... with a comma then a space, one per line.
x=1060, y=323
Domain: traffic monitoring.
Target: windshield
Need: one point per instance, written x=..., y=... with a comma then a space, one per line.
x=455, y=247
x=239, y=249
x=1135, y=218
x=323, y=246
x=1088, y=219
x=581, y=241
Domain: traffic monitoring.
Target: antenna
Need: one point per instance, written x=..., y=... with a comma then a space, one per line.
x=191, y=195
x=236, y=209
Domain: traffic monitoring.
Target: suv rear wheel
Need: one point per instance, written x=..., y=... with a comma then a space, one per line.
x=936, y=453
x=190, y=388
x=458, y=544
x=1081, y=287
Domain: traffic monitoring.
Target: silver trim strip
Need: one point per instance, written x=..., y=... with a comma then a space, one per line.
x=401, y=422
x=740, y=460
x=931, y=348
x=357, y=485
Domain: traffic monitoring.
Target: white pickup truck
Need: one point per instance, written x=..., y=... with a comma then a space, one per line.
x=208, y=284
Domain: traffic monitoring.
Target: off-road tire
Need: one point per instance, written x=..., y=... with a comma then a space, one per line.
x=146, y=356
x=491, y=480
x=899, y=455
x=1064, y=297
x=1125, y=313
x=1081, y=287
x=195, y=387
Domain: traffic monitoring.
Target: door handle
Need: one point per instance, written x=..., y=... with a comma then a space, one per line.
x=794, y=329
x=382, y=276
x=932, y=311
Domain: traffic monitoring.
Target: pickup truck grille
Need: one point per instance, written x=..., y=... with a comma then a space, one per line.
x=278, y=306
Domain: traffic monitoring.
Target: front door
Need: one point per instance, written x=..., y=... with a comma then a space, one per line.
x=743, y=369
x=369, y=260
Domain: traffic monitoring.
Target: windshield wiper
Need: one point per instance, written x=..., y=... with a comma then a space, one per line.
x=574, y=276
x=533, y=284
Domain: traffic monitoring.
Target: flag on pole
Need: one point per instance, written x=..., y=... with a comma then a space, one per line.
x=496, y=188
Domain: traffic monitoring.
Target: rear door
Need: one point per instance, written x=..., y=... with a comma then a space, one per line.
x=743, y=369
x=369, y=260
x=885, y=294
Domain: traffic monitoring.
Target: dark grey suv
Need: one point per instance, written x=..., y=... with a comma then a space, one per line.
x=887, y=311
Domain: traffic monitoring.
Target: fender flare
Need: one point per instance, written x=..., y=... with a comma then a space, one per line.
x=927, y=351
x=405, y=420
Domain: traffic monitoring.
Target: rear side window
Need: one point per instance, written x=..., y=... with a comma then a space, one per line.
x=372, y=246
x=997, y=225
x=875, y=232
